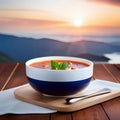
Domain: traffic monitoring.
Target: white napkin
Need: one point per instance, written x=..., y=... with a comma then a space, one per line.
x=9, y=104
x=102, y=84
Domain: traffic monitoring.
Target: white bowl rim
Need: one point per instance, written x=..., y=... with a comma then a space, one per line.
x=76, y=59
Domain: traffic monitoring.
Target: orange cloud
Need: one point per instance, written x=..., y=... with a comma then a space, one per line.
x=113, y=2
x=20, y=23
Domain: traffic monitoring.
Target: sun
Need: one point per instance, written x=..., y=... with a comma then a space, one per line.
x=77, y=22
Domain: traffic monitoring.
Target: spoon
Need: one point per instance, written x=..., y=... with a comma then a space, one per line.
x=76, y=99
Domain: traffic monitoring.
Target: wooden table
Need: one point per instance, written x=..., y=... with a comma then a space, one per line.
x=12, y=75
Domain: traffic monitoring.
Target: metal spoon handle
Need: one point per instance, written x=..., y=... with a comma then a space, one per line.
x=75, y=99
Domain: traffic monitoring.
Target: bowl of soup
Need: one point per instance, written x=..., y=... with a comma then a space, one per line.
x=59, y=75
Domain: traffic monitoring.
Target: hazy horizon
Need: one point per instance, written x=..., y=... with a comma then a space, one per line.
x=65, y=20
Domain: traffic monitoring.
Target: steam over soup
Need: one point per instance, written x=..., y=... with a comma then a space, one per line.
x=59, y=65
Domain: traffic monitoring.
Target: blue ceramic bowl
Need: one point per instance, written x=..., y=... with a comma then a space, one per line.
x=59, y=82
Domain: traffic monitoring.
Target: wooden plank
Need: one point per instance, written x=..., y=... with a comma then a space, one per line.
x=112, y=108
x=101, y=72
x=113, y=71
x=2, y=69
x=24, y=117
x=5, y=71
x=61, y=116
x=92, y=113
x=110, y=73
x=17, y=79
x=117, y=65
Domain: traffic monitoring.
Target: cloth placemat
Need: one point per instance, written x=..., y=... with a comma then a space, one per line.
x=9, y=104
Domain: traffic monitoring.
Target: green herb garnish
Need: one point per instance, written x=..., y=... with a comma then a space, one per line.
x=59, y=66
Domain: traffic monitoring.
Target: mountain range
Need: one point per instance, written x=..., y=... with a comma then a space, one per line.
x=21, y=49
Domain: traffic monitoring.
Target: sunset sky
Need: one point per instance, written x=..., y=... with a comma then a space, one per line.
x=45, y=18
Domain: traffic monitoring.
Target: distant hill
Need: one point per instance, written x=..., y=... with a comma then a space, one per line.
x=93, y=57
x=21, y=49
x=92, y=47
x=5, y=58
x=116, y=43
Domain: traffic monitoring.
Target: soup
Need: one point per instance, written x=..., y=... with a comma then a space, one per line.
x=56, y=64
